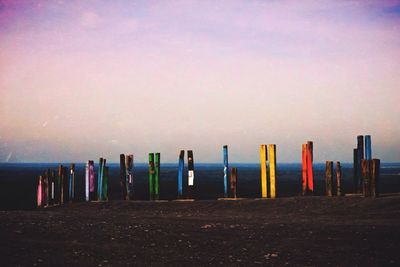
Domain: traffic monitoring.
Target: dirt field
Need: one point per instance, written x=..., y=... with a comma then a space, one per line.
x=304, y=231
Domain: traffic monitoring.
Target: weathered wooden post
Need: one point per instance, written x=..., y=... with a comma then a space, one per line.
x=87, y=183
x=366, y=173
x=328, y=178
x=368, y=148
x=360, y=157
x=376, y=164
x=59, y=196
x=105, y=183
x=122, y=176
x=233, y=182
x=65, y=187
x=272, y=170
x=226, y=169
x=53, y=186
x=72, y=182
x=355, y=170
x=92, y=181
x=152, y=172
x=39, y=193
x=190, y=174
x=46, y=179
x=157, y=163
x=338, y=179
x=304, y=168
x=310, y=175
x=100, y=179
x=129, y=177
x=180, y=172
x=263, y=164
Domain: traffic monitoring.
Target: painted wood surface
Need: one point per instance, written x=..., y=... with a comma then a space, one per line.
x=105, y=183
x=151, y=176
x=233, y=182
x=87, y=183
x=375, y=176
x=226, y=169
x=368, y=148
x=338, y=179
x=272, y=169
x=328, y=178
x=366, y=174
x=304, y=168
x=39, y=194
x=190, y=174
x=72, y=182
x=263, y=165
x=310, y=173
x=92, y=181
x=157, y=168
x=129, y=177
x=181, y=165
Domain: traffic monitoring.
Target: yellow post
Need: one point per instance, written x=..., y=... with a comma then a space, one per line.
x=263, y=162
x=272, y=170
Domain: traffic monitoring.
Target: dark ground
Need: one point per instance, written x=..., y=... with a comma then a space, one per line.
x=303, y=231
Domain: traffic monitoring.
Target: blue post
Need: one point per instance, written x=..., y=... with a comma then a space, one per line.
x=225, y=153
x=100, y=180
x=180, y=173
x=368, y=149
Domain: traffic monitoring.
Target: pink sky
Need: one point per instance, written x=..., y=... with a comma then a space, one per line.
x=84, y=79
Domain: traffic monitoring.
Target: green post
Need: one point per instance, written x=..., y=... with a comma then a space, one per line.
x=105, y=183
x=157, y=176
x=151, y=175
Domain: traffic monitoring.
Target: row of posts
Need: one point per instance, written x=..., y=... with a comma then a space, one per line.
x=59, y=187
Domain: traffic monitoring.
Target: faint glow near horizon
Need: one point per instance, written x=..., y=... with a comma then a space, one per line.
x=83, y=79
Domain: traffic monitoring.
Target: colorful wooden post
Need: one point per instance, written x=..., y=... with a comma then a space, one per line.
x=355, y=170
x=376, y=163
x=272, y=170
x=366, y=174
x=157, y=162
x=360, y=157
x=310, y=175
x=105, y=183
x=233, y=182
x=226, y=169
x=368, y=148
x=328, y=178
x=181, y=166
x=129, y=176
x=263, y=164
x=100, y=179
x=72, y=182
x=46, y=179
x=122, y=176
x=338, y=179
x=92, y=181
x=152, y=172
x=190, y=174
x=39, y=192
x=53, y=186
x=87, y=183
x=304, y=168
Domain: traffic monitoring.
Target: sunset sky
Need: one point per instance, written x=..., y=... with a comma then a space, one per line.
x=84, y=79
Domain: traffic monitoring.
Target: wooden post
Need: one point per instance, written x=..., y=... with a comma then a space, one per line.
x=360, y=157
x=122, y=176
x=355, y=170
x=366, y=173
x=46, y=179
x=157, y=163
x=226, y=169
x=92, y=181
x=129, y=177
x=72, y=182
x=304, y=168
x=368, y=149
x=53, y=186
x=39, y=193
x=105, y=183
x=180, y=172
x=190, y=174
x=338, y=179
x=376, y=164
x=328, y=178
x=65, y=185
x=310, y=175
x=272, y=170
x=87, y=183
x=233, y=182
x=263, y=164
x=59, y=185
x=100, y=180
x=151, y=176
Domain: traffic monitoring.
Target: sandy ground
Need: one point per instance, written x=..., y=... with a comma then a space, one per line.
x=303, y=231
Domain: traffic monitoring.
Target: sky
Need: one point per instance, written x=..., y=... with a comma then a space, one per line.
x=84, y=79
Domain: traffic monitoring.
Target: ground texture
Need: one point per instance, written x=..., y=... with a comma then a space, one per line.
x=302, y=231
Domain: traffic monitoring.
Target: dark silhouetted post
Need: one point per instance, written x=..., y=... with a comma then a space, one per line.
x=233, y=182
x=129, y=176
x=122, y=176
x=92, y=181
x=366, y=174
x=355, y=170
x=338, y=179
x=72, y=182
x=105, y=183
x=157, y=165
x=360, y=157
x=328, y=178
